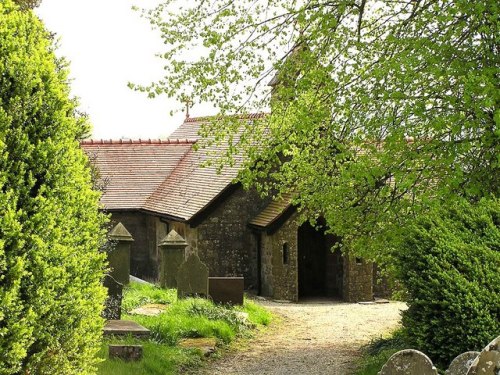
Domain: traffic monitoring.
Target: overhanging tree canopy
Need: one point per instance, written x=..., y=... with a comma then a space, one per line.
x=378, y=108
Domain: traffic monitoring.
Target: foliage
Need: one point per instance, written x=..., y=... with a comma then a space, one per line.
x=50, y=227
x=158, y=359
x=192, y=317
x=378, y=351
x=28, y=4
x=449, y=262
x=377, y=107
x=138, y=294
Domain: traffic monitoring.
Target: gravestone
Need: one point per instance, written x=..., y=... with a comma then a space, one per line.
x=172, y=252
x=226, y=290
x=119, y=256
x=113, y=305
x=461, y=364
x=192, y=278
x=488, y=361
x=408, y=362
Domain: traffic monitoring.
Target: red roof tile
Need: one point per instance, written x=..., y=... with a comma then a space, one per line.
x=132, y=170
x=162, y=176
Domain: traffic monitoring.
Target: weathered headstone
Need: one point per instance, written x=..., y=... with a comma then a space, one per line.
x=125, y=352
x=461, y=364
x=488, y=361
x=408, y=362
x=172, y=251
x=113, y=304
x=192, y=278
x=119, y=257
x=226, y=290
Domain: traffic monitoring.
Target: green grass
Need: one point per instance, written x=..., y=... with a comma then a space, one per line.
x=379, y=351
x=157, y=359
x=187, y=318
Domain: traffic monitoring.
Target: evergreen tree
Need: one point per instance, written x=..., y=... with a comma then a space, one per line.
x=50, y=227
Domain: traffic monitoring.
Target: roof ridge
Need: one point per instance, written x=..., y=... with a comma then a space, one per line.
x=244, y=116
x=148, y=141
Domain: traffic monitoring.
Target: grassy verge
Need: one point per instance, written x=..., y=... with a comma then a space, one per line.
x=187, y=318
x=379, y=351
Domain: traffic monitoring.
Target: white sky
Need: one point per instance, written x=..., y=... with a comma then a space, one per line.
x=108, y=45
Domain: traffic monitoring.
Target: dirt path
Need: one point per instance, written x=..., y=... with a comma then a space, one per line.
x=312, y=338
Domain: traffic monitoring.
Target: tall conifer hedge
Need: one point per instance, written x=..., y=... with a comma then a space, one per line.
x=449, y=263
x=50, y=226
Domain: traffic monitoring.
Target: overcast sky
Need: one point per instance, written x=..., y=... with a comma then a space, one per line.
x=109, y=45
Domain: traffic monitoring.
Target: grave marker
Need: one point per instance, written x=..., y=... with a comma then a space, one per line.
x=461, y=364
x=192, y=278
x=172, y=252
x=119, y=256
x=113, y=305
x=488, y=361
x=408, y=362
x=226, y=290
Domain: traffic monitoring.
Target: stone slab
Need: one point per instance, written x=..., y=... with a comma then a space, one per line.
x=125, y=352
x=192, y=278
x=125, y=327
x=228, y=290
x=205, y=345
x=488, y=361
x=151, y=309
x=408, y=362
x=461, y=364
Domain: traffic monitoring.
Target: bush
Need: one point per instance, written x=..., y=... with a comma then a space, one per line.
x=449, y=262
x=50, y=227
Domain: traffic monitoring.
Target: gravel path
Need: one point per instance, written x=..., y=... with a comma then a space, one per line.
x=317, y=337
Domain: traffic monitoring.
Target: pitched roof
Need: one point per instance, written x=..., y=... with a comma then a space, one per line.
x=273, y=212
x=167, y=177
x=132, y=170
x=192, y=125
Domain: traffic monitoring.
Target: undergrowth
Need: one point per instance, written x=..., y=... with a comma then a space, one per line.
x=378, y=351
x=186, y=318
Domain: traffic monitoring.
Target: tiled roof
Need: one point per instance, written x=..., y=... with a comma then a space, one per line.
x=191, y=126
x=132, y=170
x=190, y=187
x=166, y=177
x=272, y=212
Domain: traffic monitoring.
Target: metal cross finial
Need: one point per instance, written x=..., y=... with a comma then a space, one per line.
x=188, y=103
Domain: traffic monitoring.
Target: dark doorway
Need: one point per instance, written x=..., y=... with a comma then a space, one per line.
x=320, y=269
x=312, y=265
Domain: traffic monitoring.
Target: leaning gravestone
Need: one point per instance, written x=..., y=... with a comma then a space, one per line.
x=408, y=362
x=113, y=304
x=192, y=278
x=461, y=364
x=488, y=361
